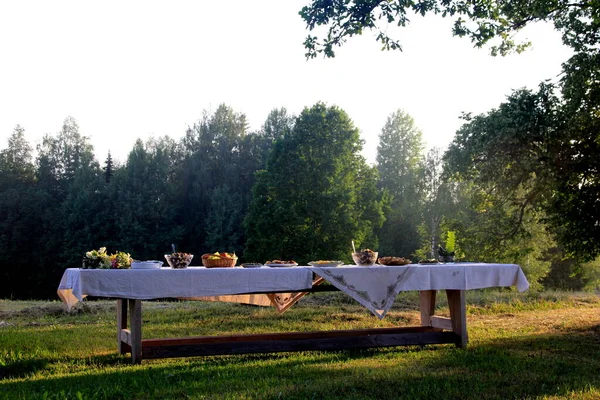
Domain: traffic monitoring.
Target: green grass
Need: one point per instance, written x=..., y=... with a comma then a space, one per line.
x=522, y=346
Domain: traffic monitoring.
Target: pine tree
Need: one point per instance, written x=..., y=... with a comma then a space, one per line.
x=108, y=168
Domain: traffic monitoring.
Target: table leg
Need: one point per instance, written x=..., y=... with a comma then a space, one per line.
x=458, y=315
x=135, y=313
x=427, y=303
x=122, y=346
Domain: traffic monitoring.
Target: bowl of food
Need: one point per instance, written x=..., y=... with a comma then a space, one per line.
x=365, y=257
x=219, y=260
x=179, y=260
x=150, y=264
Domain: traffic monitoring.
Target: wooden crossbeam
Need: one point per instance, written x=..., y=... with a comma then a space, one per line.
x=440, y=322
x=294, y=341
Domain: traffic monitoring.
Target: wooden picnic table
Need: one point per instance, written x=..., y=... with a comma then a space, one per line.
x=130, y=287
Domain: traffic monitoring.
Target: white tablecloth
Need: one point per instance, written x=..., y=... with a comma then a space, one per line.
x=375, y=288
x=191, y=282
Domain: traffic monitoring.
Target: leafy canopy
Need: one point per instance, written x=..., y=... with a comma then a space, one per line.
x=493, y=22
x=535, y=153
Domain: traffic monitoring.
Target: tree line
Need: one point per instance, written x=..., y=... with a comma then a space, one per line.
x=297, y=188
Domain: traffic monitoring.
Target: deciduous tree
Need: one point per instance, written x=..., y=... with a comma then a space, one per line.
x=317, y=193
x=520, y=154
x=399, y=162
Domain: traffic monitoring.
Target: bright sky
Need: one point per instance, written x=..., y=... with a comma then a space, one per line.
x=134, y=69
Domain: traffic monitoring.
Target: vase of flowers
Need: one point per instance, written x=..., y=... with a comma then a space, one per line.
x=120, y=260
x=444, y=255
x=100, y=259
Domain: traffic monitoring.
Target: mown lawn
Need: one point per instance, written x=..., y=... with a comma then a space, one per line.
x=522, y=346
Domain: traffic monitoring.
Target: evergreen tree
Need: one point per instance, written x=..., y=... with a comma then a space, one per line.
x=218, y=156
x=146, y=199
x=84, y=220
x=108, y=168
x=21, y=207
x=224, y=220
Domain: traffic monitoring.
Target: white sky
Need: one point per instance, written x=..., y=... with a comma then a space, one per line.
x=134, y=69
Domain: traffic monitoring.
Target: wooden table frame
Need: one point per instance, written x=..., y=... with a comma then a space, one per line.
x=433, y=330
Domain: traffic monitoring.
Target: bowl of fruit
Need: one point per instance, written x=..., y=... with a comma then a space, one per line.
x=365, y=257
x=219, y=260
x=179, y=260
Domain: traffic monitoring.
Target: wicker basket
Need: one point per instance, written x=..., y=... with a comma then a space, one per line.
x=222, y=262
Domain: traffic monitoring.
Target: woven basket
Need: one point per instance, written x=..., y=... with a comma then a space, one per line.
x=222, y=262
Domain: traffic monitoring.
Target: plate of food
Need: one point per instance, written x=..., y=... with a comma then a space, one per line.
x=429, y=261
x=325, y=263
x=280, y=263
x=251, y=265
x=394, y=261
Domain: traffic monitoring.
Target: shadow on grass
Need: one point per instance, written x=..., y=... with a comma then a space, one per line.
x=236, y=318
x=23, y=367
x=520, y=367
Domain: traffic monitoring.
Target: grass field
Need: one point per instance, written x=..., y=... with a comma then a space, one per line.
x=522, y=346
